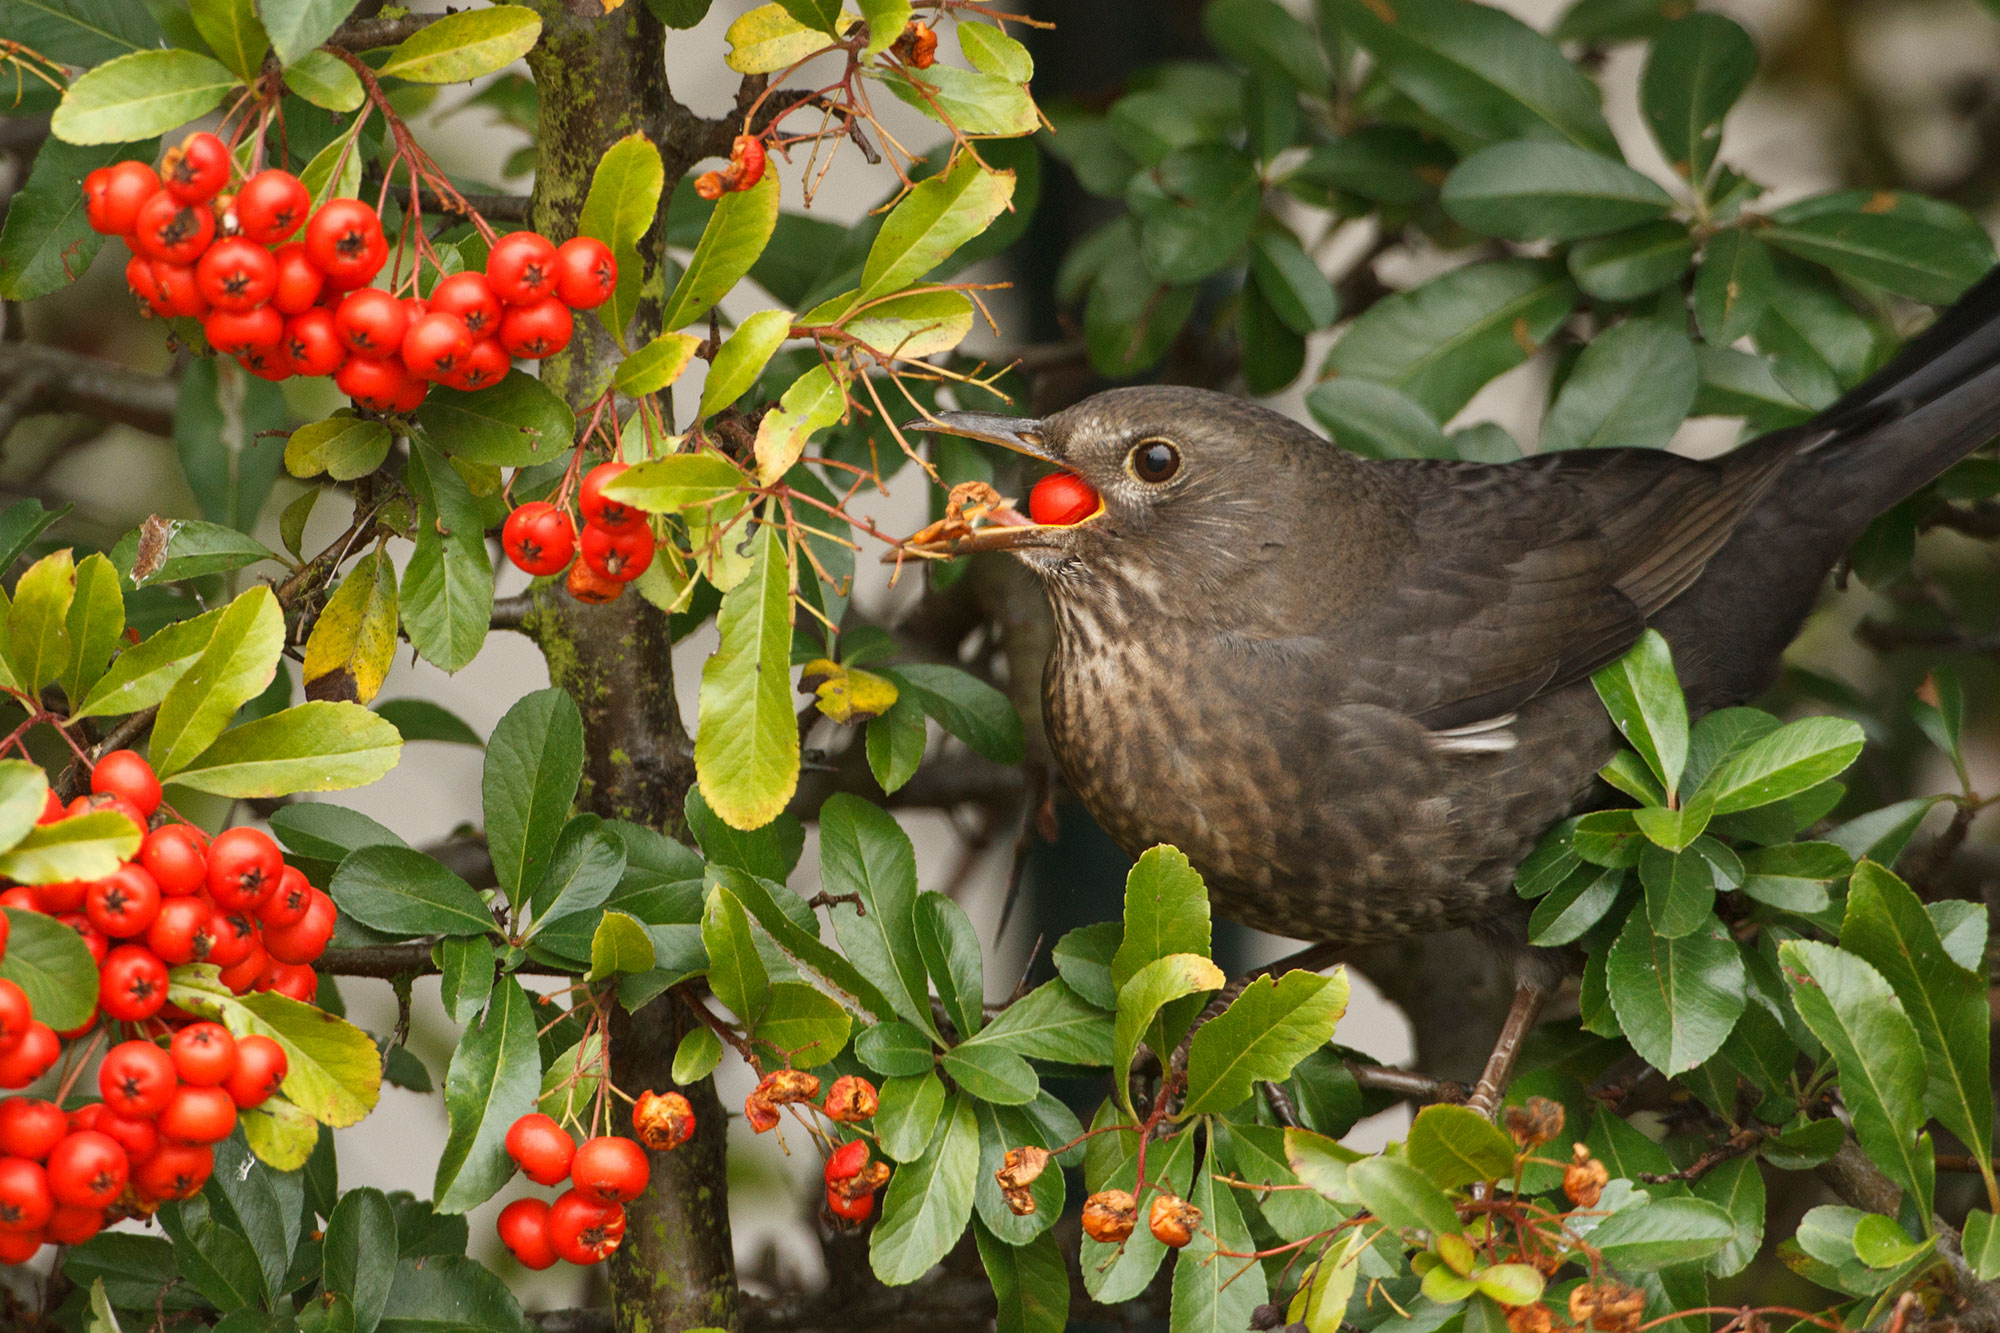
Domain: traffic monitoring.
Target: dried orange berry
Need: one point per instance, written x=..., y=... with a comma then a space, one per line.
x=1584, y=1179
x=1530, y=1319
x=1536, y=1122
x=785, y=1086
x=1109, y=1216
x=1609, y=1307
x=1018, y=1170
x=662, y=1120
x=917, y=47
x=746, y=159
x=709, y=186
x=760, y=1113
x=1172, y=1220
x=851, y=1098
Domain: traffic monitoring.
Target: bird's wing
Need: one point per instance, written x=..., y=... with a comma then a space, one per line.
x=1522, y=578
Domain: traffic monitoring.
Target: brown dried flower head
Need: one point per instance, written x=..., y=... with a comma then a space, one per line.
x=1530, y=1319
x=1536, y=1122
x=1609, y=1307
x=1584, y=1179
x=1109, y=1216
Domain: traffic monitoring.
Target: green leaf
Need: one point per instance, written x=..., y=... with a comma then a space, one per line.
x=465, y=975
x=1855, y=1013
x=310, y=747
x=516, y=423
x=81, y=847
x=1734, y=286
x=297, y=28
x=950, y=949
x=1376, y=421
x=1166, y=912
x=895, y=1049
x=1886, y=925
x=1401, y=1196
x=736, y=972
x=1676, y=999
x=747, y=746
x=656, y=365
x=620, y=944
x=359, y=1254
x=742, y=358
x=1790, y=760
x=343, y=447
x=495, y=1078
x=793, y=929
x=1880, y=1243
x=45, y=241
x=1195, y=211
x=335, y=170
x=1480, y=70
x=1111, y=1273
x=895, y=744
x=1533, y=191
x=974, y=101
x=624, y=193
x=1982, y=1245
x=992, y=1074
x=1322, y=1297
x=1139, y=1000
x=1633, y=386
x=916, y=324
x=423, y=720
x=238, y=663
x=1455, y=1146
x=1052, y=1022
x=1263, y=1034
x=333, y=1069
x=1638, y=261
x=404, y=892
x=52, y=966
x=735, y=236
x=1697, y=68
x=803, y=1024
x=95, y=624
x=1441, y=341
x=1917, y=247
x=768, y=38
x=927, y=1204
x=863, y=851
x=1212, y=1292
x=697, y=1056
x=1029, y=1281
x=1737, y=1187
x=38, y=644
x=24, y=790
x=675, y=482
x=909, y=1111
x=533, y=764
x=353, y=643
x=933, y=220
x=1298, y=292
x=1661, y=1232
x=79, y=32
x=139, y=95
x=1680, y=891
x=450, y=1293
x=466, y=45
x=1579, y=902
x=1263, y=36
x=1644, y=699
x=963, y=705
x=232, y=31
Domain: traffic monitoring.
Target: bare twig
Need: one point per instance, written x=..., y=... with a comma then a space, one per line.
x=70, y=382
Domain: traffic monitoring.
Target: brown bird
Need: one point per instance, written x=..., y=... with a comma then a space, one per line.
x=1355, y=692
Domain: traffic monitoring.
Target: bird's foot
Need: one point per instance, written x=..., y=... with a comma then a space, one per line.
x=1499, y=1071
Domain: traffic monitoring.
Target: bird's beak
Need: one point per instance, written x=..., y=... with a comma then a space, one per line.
x=1024, y=435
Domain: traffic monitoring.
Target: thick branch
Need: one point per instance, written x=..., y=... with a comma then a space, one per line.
x=1852, y=1175
x=512, y=612
x=48, y=379
x=506, y=207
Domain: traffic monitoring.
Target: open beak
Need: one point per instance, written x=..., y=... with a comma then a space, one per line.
x=1021, y=434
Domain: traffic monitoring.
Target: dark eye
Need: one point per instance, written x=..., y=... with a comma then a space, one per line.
x=1155, y=461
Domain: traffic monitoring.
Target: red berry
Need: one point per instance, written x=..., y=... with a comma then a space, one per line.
x=196, y=170
x=487, y=363
x=97, y=801
x=345, y=242
x=25, y=1201
x=586, y=273
x=176, y=1171
x=307, y=939
x=204, y=1054
x=168, y=229
x=746, y=158
x=849, y=1207
x=17, y=1247
x=371, y=322
x=198, y=1115
x=88, y=1170
x=16, y=1014
x=271, y=205
x=537, y=330
x=411, y=396
x=123, y=903
x=609, y=1169
x=297, y=980
x=538, y=538
x=524, y=1230
x=1060, y=499
x=111, y=201
x=260, y=1067
x=587, y=585
x=132, y=984
x=72, y=1226
x=619, y=555
x=288, y=902
x=471, y=298
x=21, y=898
x=174, y=856
x=139, y=277
x=847, y=1161
x=244, y=975
x=30, y=1128
x=232, y=938
x=234, y=334
x=434, y=346
x=611, y=515
x=182, y=931
x=236, y=275
x=65, y=895
x=521, y=267
x=377, y=383
x=125, y=773
x=541, y=1148
x=137, y=1135
x=35, y=1054
x=313, y=343
x=244, y=866
x=584, y=1231
x=178, y=290
x=299, y=282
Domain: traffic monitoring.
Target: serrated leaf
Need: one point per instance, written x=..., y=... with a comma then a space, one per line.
x=516, y=423
x=465, y=45
x=1697, y=68
x=1676, y=999
x=343, y=447
x=232, y=30
x=747, y=743
x=933, y=220
x=236, y=665
x=768, y=38
x=1263, y=1035
x=353, y=643
x=52, y=966
x=1456, y=1146
x=1527, y=191
x=1632, y=387
x=742, y=358
x=495, y=1078
x=928, y=1202
x=401, y=891
x=321, y=746
x=139, y=95
x=736, y=234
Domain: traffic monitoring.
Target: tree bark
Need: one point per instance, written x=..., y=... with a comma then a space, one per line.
x=602, y=76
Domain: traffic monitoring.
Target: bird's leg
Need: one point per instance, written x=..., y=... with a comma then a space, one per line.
x=1529, y=997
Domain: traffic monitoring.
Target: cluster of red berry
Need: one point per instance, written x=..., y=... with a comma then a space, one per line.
x=616, y=544
x=587, y=1221
x=286, y=307
x=231, y=901
x=852, y=1181
x=63, y=1176
x=745, y=169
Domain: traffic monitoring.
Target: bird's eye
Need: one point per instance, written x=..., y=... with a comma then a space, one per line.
x=1154, y=461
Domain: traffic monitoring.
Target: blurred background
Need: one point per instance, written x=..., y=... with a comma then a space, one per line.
x=1893, y=93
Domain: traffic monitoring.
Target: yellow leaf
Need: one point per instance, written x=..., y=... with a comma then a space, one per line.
x=814, y=401
x=847, y=694
x=354, y=643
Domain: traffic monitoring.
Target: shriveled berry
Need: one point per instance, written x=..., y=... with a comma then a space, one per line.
x=1172, y=1220
x=1109, y=1216
x=663, y=1120
x=851, y=1098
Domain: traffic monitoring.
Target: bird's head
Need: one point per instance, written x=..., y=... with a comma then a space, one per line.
x=1195, y=486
